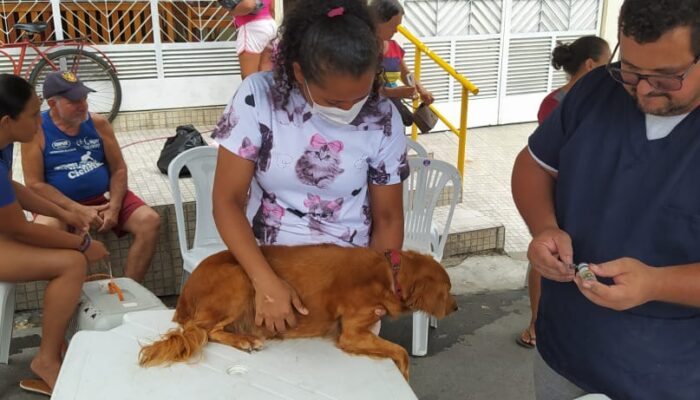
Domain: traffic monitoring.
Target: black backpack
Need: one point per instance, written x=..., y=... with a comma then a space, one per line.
x=186, y=137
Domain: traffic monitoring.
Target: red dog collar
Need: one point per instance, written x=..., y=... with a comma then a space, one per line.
x=394, y=258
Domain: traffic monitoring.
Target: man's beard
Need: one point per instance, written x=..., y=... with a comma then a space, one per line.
x=75, y=120
x=670, y=109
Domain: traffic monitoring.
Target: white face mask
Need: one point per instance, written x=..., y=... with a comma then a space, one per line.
x=335, y=114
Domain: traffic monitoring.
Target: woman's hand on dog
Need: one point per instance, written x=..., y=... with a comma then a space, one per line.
x=273, y=305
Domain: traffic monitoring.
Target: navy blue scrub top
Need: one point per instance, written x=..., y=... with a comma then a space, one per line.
x=619, y=194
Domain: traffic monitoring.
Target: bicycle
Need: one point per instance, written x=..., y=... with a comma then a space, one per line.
x=93, y=67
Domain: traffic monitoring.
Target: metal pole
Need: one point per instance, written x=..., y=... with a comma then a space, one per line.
x=416, y=75
x=461, y=152
x=157, y=39
x=56, y=14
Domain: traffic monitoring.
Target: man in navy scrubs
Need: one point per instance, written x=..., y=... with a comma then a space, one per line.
x=612, y=178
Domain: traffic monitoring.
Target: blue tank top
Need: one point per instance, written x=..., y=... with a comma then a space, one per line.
x=75, y=165
x=7, y=192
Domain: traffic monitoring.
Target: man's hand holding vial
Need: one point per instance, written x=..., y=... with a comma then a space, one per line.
x=633, y=282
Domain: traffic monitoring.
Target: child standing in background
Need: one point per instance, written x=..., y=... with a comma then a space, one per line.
x=255, y=20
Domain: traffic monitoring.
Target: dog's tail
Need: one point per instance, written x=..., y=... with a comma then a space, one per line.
x=178, y=344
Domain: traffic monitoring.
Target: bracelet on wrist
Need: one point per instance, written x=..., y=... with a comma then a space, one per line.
x=87, y=241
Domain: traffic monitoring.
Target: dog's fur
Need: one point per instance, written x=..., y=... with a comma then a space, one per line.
x=342, y=288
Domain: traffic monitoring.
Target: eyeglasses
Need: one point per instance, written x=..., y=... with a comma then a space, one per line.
x=666, y=83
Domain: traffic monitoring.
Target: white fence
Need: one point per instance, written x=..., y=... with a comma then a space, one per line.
x=503, y=46
x=168, y=54
x=181, y=53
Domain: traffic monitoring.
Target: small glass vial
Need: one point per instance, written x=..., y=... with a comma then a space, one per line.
x=585, y=273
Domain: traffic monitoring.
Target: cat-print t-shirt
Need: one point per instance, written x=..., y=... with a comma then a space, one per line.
x=311, y=175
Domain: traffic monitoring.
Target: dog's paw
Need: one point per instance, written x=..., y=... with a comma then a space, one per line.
x=257, y=344
x=249, y=344
x=403, y=364
x=405, y=375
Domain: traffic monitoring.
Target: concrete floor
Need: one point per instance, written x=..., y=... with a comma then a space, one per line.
x=472, y=353
x=491, y=152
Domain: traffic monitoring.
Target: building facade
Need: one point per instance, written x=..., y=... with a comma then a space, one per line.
x=177, y=53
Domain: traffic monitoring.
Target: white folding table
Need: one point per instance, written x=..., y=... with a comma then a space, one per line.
x=103, y=366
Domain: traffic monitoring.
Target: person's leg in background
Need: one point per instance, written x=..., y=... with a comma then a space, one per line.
x=528, y=338
x=249, y=63
x=50, y=221
x=266, y=59
x=255, y=45
x=65, y=271
x=248, y=56
x=144, y=224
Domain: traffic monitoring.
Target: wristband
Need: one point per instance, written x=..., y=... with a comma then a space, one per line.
x=87, y=241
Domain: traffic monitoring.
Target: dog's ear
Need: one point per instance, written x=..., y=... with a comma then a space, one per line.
x=430, y=296
x=428, y=285
x=413, y=277
x=440, y=302
x=415, y=295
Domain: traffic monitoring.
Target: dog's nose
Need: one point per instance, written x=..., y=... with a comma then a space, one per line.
x=456, y=308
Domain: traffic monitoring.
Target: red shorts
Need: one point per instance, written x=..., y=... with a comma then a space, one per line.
x=130, y=203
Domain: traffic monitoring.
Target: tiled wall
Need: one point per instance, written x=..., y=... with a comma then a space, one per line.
x=140, y=120
x=461, y=243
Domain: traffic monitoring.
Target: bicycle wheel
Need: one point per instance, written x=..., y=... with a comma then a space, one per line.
x=92, y=70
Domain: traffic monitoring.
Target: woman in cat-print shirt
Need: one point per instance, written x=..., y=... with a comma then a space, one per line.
x=310, y=153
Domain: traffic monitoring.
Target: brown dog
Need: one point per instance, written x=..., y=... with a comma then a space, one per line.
x=341, y=287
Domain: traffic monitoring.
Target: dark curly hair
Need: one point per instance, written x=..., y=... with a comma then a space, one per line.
x=15, y=93
x=384, y=10
x=647, y=20
x=342, y=44
x=571, y=57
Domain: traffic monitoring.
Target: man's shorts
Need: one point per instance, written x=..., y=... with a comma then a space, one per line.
x=130, y=203
x=255, y=36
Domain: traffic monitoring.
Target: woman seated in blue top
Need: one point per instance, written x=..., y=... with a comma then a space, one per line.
x=33, y=252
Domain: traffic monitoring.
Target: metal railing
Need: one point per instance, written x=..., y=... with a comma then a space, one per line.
x=467, y=87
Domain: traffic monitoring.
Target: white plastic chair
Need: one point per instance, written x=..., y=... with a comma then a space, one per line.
x=417, y=148
x=421, y=192
x=201, y=162
x=7, y=313
x=422, y=152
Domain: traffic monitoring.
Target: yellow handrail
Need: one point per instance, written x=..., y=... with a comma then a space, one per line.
x=467, y=87
x=442, y=63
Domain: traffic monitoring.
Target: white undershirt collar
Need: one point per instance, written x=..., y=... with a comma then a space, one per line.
x=659, y=127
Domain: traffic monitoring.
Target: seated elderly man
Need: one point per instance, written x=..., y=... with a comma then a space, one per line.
x=77, y=164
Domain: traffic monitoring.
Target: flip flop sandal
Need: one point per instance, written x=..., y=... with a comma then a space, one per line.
x=526, y=340
x=35, y=386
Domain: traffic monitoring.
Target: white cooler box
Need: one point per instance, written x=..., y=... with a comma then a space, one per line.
x=99, y=310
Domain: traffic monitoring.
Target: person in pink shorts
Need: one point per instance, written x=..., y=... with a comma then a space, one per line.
x=255, y=20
